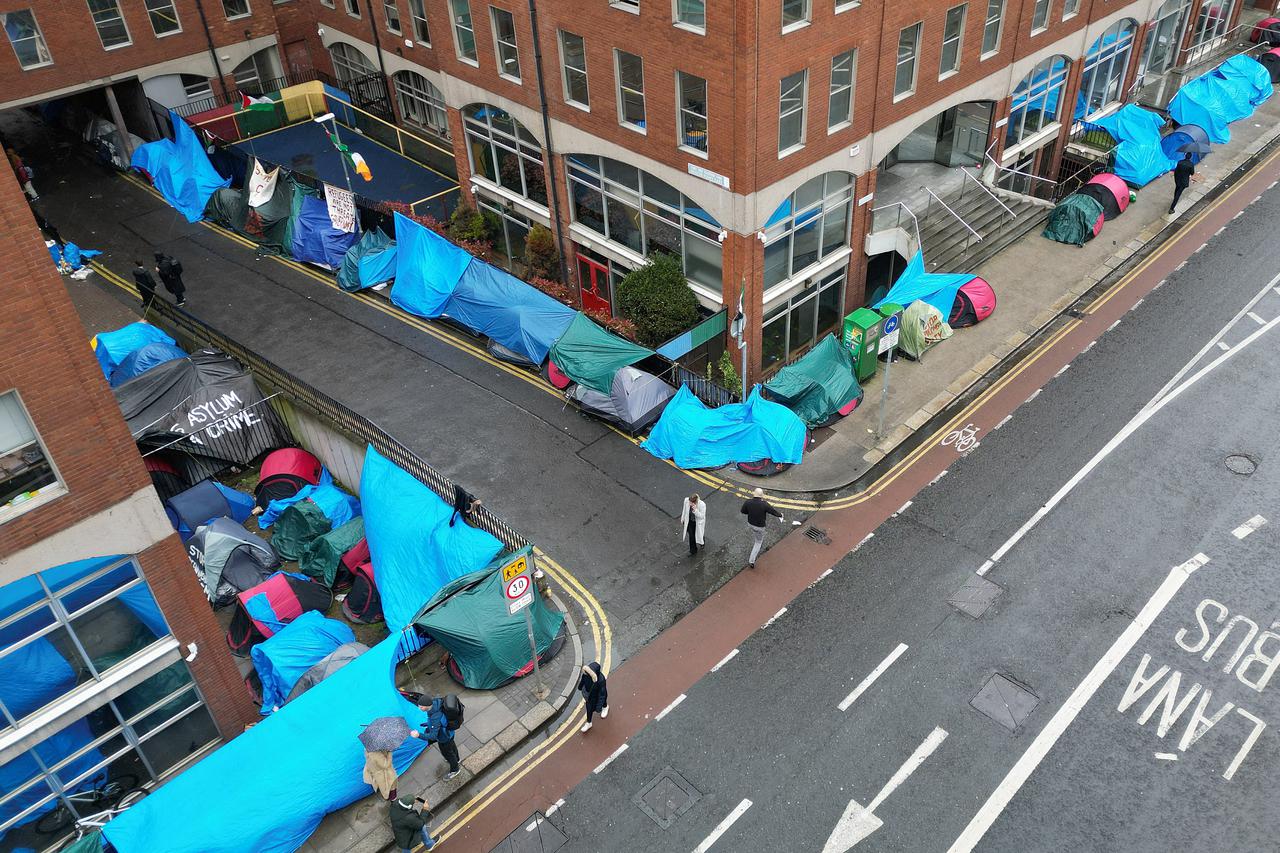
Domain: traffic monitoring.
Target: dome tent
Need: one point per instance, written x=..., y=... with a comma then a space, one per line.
x=975, y=302
x=229, y=559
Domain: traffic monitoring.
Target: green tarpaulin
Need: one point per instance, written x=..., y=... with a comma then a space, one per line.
x=320, y=558
x=227, y=207
x=1074, y=219
x=590, y=356
x=922, y=327
x=370, y=242
x=297, y=527
x=817, y=386
x=268, y=223
x=490, y=646
x=91, y=843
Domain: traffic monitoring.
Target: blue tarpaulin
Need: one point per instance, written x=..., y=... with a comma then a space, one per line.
x=180, y=169
x=368, y=262
x=338, y=506
x=937, y=289
x=1139, y=156
x=315, y=239
x=515, y=314
x=275, y=782
x=71, y=253
x=414, y=550
x=143, y=359
x=694, y=436
x=1248, y=77
x=427, y=268
x=112, y=348
x=282, y=658
x=1228, y=93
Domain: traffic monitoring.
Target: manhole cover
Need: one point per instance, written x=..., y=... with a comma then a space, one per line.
x=667, y=796
x=817, y=534
x=1005, y=701
x=975, y=596
x=1238, y=463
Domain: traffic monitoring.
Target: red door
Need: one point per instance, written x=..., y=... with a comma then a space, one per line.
x=593, y=279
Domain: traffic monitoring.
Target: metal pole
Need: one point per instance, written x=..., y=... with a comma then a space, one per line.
x=213, y=52
x=742, y=345
x=884, y=393
x=546, y=131
x=541, y=689
x=346, y=176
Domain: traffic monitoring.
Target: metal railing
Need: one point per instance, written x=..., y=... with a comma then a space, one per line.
x=217, y=99
x=900, y=207
x=301, y=393
x=969, y=177
x=701, y=387
x=933, y=197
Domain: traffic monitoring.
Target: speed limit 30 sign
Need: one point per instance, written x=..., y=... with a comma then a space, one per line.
x=517, y=585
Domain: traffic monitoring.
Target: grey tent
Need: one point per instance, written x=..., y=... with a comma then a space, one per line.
x=229, y=559
x=328, y=665
x=635, y=400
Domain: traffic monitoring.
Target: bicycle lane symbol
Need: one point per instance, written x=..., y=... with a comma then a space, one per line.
x=964, y=439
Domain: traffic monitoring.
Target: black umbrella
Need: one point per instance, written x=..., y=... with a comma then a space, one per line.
x=1194, y=147
x=385, y=734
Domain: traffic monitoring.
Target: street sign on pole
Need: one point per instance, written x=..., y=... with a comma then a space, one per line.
x=518, y=590
x=888, y=340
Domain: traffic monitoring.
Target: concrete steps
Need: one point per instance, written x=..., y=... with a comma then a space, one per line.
x=949, y=247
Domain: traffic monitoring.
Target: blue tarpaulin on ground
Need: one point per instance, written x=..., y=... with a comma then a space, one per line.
x=515, y=314
x=694, y=436
x=937, y=289
x=315, y=239
x=112, y=348
x=414, y=550
x=275, y=782
x=180, y=169
x=282, y=658
x=1139, y=156
x=368, y=262
x=1228, y=93
x=427, y=268
x=143, y=359
x=338, y=506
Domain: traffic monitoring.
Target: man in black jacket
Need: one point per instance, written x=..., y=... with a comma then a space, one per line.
x=1183, y=174
x=409, y=820
x=170, y=272
x=146, y=285
x=757, y=510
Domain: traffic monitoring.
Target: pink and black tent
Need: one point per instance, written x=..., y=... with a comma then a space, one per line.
x=975, y=301
x=1267, y=31
x=284, y=472
x=1271, y=61
x=1110, y=191
x=266, y=608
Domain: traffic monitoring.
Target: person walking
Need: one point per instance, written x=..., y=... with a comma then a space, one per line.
x=1183, y=174
x=146, y=285
x=437, y=730
x=409, y=819
x=757, y=510
x=22, y=172
x=595, y=692
x=170, y=272
x=380, y=773
x=693, y=522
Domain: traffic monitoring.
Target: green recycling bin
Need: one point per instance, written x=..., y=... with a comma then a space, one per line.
x=862, y=331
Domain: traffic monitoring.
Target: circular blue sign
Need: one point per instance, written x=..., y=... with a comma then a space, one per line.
x=891, y=323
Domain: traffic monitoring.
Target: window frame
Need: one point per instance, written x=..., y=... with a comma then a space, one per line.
x=623, y=90
x=801, y=109
x=957, y=40
x=47, y=491
x=676, y=20
x=781, y=313
x=346, y=64
x=1040, y=14
x=1055, y=82
x=631, y=6
x=499, y=44
x=390, y=7
x=804, y=20
x=482, y=130
x=846, y=90
x=118, y=20
x=151, y=13
x=839, y=198
x=458, y=28
x=684, y=114
x=1106, y=55
x=846, y=5
x=248, y=10
x=987, y=22
x=37, y=38
x=1070, y=8
x=418, y=16
x=420, y=99
x=913, y=58
x=352, y=8
x=566, y=70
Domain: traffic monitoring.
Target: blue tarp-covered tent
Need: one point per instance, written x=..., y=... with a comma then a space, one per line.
x=414, y=550
x=1228, y=93
x=315, y=240
x=516, y=315
x=112, y=348
x=370, y=261
x=180, y=169
x=1139, y=156
x=427, y=268
x=694, y=436
x=338, y=506
x=1248, y=77
x=283, y=658
x=276, y=781
x=937, y=289
x=143, y=359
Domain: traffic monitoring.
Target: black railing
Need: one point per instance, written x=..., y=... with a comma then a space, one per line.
x=275, y=379
x=256, y=88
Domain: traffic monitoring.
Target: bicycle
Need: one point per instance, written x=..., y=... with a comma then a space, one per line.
x=112, y=797
x=964, y=439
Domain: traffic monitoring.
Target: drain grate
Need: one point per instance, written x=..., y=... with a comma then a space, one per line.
x=1239, y=463
x=975, y=596
x=666, y=797
x=1005, y=701
x=817, y=534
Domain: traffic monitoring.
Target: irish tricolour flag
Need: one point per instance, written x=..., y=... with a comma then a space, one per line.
x=261, y=104
x=353, y=158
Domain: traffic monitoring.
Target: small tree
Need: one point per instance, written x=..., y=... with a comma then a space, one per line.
x=657, y=298
x=541, y=254
x=729, y=373
x=468, y=224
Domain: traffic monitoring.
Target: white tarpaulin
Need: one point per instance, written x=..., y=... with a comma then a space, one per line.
x=342, y=208
x=262, y=185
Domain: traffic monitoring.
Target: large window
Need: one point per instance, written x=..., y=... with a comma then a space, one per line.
x=692, y=102
x=25, y=471
x=630, y=71
x=992, y=26
x=952, y=38
x=464, y=33
x=164, y=17
x=421, y=32
x=1040, y=16
x=26, y=38
x=792, y=94
x=513, y=232
x=349, y=63
x=1162, y=39
x=637, y=211
x=1037, y=101
x=840, y=93
x=421, y=102
x=392, y=13
x=1104, y=66
x=794, y=13
x=256, y=75
x=502, y=151
x=808, y=226
x=504, y=43
x=904, y=78
x=235, y=8
x=691, y=14
x=1212, y=20
x=573, y=66
x=799, y=322
x=112, y=31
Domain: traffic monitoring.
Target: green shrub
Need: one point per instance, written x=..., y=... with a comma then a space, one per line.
x=729, y=377
x=657, y=298
x=468, y=224
x=540, y=253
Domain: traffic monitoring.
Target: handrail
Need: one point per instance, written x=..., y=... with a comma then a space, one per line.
x=909, y=213
x=953, y=213
x=1000, y=168
x=988, y=191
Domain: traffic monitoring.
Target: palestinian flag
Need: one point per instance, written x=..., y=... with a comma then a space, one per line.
x=354, y=160
x=263, y=104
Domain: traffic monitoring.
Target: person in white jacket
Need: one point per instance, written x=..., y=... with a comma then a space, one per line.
x=693, y=522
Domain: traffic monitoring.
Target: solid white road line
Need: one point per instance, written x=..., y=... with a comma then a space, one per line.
x=1048, y=736
x=774, y=618
x=986, y=567
x=724, y=660
x=720, y=830
x=603, y=764
x=870, y=679
x=669, y=708
x=1166, y=756
x=1249, y=526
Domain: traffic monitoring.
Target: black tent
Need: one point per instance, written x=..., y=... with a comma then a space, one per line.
x=266, y=608
x=1271, y=61
x=1103, y=196
x=206, y=410
x=363, y=604
x=229, y=559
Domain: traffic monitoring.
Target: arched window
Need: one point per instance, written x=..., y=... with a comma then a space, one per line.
x=1161, y=51
x=1037, y=102
x=1104, y=66
x=502, y=151
x=808, y=226
x=1212, y=19
x=421, y=102
x=634, y=209
x=349, y=63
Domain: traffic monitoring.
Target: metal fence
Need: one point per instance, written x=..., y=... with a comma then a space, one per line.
x=219, y=99
x=275, y=379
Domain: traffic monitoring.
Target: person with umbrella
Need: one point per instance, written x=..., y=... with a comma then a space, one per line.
x=380, y=738
x=1183, y=174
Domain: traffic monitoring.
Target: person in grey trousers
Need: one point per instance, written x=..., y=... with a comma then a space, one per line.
x=757, y=510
